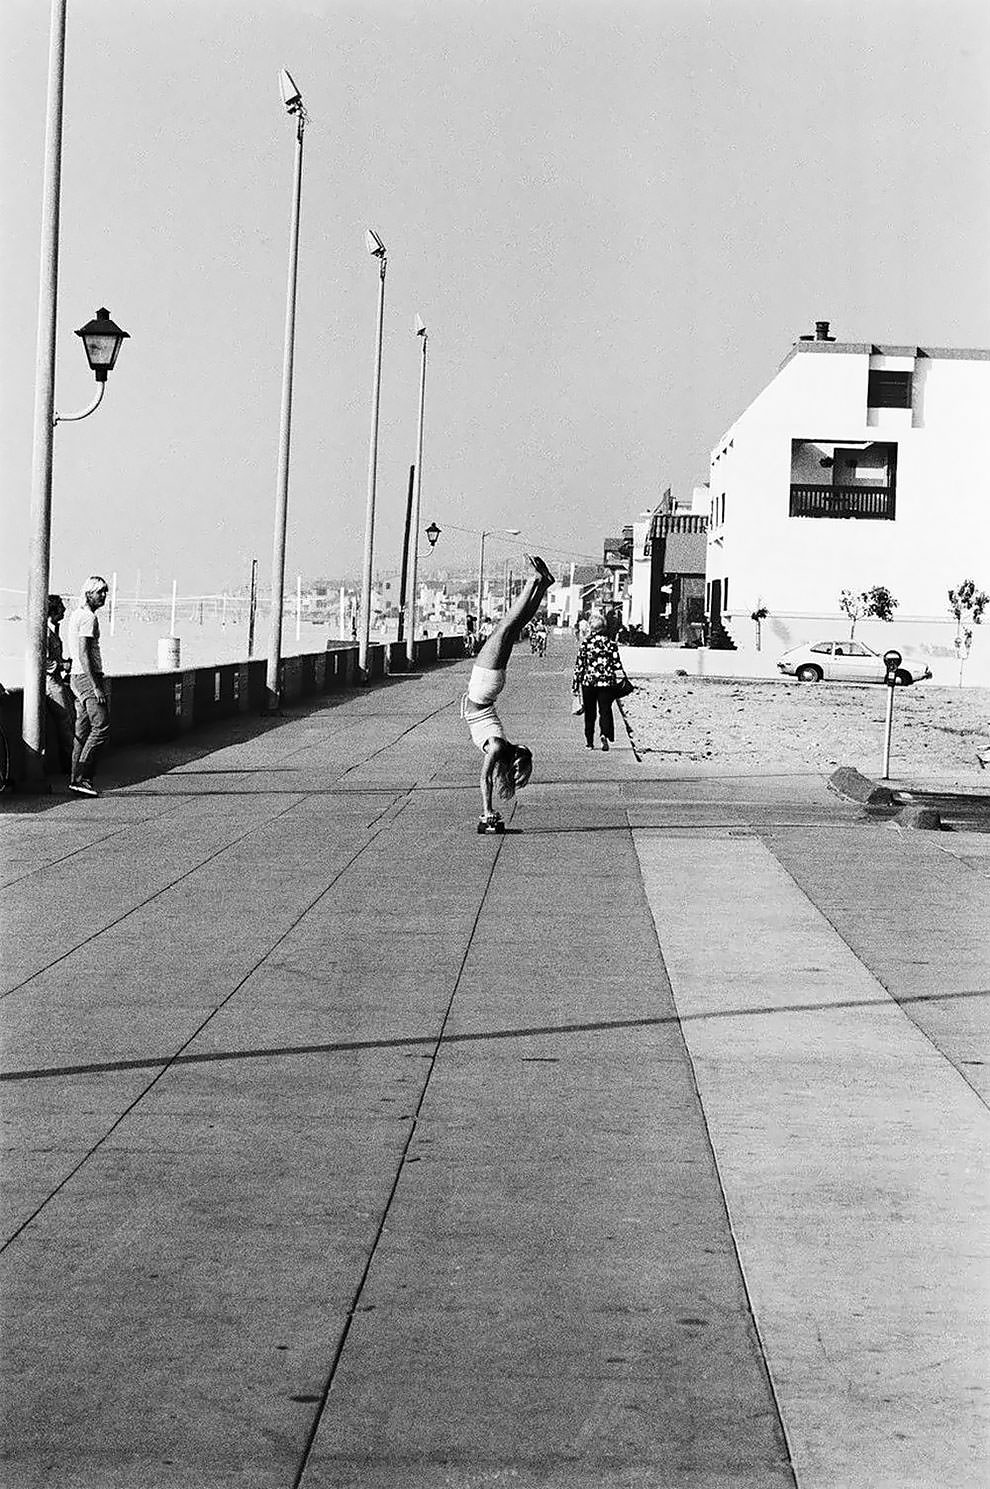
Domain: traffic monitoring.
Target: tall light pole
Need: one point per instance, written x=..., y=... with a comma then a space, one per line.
x=39, y=552
x=513, y=532
x=378, y=251
x=292, y=99
x=417, y=494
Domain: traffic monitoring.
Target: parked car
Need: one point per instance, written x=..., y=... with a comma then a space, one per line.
x=846, y=661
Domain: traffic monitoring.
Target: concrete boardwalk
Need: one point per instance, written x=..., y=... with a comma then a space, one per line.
x=644, y=1146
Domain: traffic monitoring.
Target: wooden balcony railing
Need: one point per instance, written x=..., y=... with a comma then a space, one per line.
x=872, y=503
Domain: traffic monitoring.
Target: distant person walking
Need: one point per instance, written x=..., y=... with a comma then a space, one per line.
x=507, y=767
x=598, y=671
x=58, y=695
x=88, y=685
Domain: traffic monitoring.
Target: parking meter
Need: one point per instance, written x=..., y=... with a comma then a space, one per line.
x=892, y=661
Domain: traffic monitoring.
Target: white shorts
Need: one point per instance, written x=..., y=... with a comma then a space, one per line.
x=485, y=685
x=478, y=705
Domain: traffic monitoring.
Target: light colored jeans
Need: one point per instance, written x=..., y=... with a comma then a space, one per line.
x=92, y=727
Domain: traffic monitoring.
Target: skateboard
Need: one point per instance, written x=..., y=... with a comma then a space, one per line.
x=492, y=824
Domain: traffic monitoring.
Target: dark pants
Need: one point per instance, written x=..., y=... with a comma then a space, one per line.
x=62, y=713
x=92, y=728
x=598, y=703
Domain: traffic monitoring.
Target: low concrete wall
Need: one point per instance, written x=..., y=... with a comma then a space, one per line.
x=148, y=707
x=746, y=661
x=930, y=637
x=696, y=661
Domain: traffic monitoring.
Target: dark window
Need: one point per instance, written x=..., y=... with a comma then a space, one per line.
x=889, y=390
x=725, y=593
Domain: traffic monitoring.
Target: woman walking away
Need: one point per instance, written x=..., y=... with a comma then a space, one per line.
x=598, y=671
x=507, y=766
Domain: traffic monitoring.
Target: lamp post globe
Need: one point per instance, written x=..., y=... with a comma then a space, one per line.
x=102, y=340
x=432, y=533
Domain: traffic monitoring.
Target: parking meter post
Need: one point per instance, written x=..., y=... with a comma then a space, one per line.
x=891, y=660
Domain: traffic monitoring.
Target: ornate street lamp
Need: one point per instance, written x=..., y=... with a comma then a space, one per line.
x=102, y=340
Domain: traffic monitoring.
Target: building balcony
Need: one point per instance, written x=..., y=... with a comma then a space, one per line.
x=868, y=503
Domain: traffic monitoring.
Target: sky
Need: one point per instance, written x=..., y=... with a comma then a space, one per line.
x=615, y=217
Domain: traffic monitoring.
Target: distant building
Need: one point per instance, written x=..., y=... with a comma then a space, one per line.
x=857, y=465
x=664, y=594
x=586, y=588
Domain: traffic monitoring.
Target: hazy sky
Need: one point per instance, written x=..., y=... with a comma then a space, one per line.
x=614, y=215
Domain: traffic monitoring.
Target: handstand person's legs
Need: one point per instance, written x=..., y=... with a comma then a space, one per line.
x=498, y=647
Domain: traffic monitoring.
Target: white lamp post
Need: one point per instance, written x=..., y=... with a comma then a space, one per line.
x=292, y=99
x=417, y=495
x=378, y=251
x=512, y=532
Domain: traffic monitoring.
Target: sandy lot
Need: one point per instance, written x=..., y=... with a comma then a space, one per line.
x=937, y=731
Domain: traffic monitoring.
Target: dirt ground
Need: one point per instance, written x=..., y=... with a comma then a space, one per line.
x=937, y=731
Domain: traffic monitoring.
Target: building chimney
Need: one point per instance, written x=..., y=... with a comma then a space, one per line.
x=821, y=331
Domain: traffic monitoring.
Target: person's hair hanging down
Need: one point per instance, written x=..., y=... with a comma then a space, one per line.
x=507, y=767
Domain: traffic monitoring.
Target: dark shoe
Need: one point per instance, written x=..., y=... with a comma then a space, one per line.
x=604, y=744
x=83, y=788
x=589, y=744
x=491, y=824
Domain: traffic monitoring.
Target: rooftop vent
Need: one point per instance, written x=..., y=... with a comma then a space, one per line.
x=821, y=333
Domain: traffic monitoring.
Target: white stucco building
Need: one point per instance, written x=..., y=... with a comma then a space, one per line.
x=857, y=465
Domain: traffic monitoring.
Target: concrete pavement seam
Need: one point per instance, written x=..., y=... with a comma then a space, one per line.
x=310, y=1443
x=164, y=890
x=52, y=863
x=878, y=979
x=392, y=742
x=172, y=1060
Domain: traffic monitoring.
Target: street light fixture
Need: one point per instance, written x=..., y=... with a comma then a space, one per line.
x=292, y=99
x=377, y=250
x=512, y=532
x=432, y=533
x=417, y=496
x=102, y=340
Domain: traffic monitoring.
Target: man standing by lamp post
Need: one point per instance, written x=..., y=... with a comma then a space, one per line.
x=88, y=685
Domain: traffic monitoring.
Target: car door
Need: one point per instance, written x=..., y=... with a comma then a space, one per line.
x=841, y=666
x=862, y=664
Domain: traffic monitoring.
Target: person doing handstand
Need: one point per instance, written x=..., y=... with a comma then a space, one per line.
x=507, y=766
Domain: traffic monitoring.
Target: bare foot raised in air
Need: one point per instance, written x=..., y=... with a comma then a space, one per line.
x=540, y=567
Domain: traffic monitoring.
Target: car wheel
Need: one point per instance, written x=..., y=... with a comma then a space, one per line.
x=903, y=678
x=809, y=673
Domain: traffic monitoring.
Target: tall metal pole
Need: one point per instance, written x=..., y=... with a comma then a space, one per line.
x=414, y=552
x=39, y=551
x=404, y=571
x=252, y=605
x=481, y=579
x=285, y=426
x=369, y=529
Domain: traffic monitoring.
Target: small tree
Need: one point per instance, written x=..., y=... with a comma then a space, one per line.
x=967, y=604
x=877, y=603
x=759, y=615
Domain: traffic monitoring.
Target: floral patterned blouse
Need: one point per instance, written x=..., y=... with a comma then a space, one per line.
x=598, y=663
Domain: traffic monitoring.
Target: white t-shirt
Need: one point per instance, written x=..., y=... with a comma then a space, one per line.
x=84, y=622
